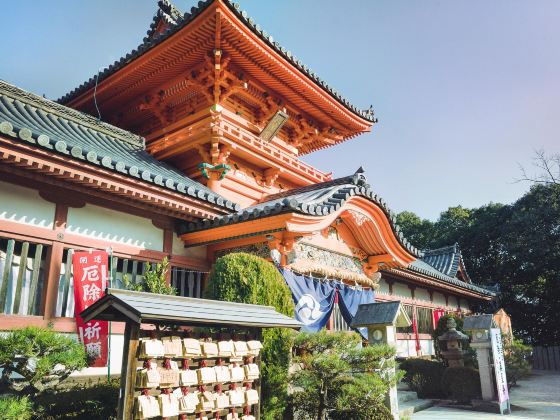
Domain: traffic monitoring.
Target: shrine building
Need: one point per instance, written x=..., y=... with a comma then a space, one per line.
x=196, y=154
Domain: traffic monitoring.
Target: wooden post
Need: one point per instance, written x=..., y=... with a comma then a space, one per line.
x=258, y=382
x=54, y=262
x=128, y=371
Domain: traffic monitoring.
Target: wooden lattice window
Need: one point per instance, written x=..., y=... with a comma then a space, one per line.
x=22, y=276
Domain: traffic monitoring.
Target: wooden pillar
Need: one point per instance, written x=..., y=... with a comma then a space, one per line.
x=168, y=249
x=128, y=371
x=390, y=283
x=54, y=262
x=257, y=413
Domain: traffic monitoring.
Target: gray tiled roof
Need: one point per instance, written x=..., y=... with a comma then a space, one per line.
x=152, y=40
x=318, y=199
x=422, y=267
x=137, y=307
x=447, y=260
x=168, y=13
x=49, y=125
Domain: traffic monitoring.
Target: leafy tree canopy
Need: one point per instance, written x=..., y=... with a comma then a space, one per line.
x=41, y=357
x=516, y=246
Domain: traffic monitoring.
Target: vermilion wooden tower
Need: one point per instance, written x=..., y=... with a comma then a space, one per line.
x=218, y=98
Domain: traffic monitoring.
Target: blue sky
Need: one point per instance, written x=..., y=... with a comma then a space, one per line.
x=464, y=90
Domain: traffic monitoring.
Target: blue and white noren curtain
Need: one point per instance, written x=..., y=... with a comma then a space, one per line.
x=314, y=300
x=349, y=300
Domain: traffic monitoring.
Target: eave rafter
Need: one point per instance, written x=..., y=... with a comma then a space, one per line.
x=438, y=284
x=48, y=167
x=367, y=223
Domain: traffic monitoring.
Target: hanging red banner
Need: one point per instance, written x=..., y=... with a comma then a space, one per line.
x=438, y=313
x=416, y=336
x=90, y=280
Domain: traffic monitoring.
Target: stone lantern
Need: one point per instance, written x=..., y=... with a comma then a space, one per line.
x=454, y=341
x=479, y=326
x=381, y=319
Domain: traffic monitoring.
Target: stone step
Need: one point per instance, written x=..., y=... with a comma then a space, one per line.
x=405, y=396
x=407, y=409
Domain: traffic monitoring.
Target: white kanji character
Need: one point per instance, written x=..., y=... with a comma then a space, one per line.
x=92, y=331
x=83, y=260
x=91, y=273
x=97, y=259
x=91, y=292
x=93, y=348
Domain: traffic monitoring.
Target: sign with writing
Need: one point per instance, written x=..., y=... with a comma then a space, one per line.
x=90, y=271
x=499, y=365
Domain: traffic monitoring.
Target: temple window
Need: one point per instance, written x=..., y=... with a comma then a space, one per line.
x=406, y=330
x=338, y=322
x=188, y=283
x=22, y=276
x=424, y=318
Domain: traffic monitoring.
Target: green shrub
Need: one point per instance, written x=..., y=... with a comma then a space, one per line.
x=246, y=278
x=424, y=377
x=517, y=357
x=88, y=401
x=15, y=408
x=461, y=384
x=40, y=356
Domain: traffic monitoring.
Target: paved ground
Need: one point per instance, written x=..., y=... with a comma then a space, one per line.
x=537, y=397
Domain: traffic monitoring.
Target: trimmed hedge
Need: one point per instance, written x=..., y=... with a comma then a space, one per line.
x=461, y=384
x=246, y=278
x=424, y=377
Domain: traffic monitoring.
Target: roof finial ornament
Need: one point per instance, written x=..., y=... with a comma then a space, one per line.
x=370, y=114
x=359, y=178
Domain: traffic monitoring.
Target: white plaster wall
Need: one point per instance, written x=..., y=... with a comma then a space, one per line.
x=465, y=304
x=117, y=346
x=25, y=205
x=383, y=287
x=178, y=248
x=453, y=301
x=113, y=226
x=402, y=290
x=439, y=299
x=421, y=294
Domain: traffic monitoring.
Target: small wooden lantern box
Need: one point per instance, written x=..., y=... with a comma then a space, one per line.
x=138, y=308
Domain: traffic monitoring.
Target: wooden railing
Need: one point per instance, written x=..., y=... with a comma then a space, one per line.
x=187, y=282
x=22, y=275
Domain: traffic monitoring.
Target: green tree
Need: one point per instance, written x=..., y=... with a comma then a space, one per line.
x=516, y=246
x=246, y=278
x=419, y=232
x=153, y=281
x=336, y=378
x=40, y=356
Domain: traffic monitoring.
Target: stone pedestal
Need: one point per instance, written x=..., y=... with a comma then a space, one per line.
x=483, y=355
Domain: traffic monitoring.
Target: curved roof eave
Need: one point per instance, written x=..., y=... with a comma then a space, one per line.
x=153, y=40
